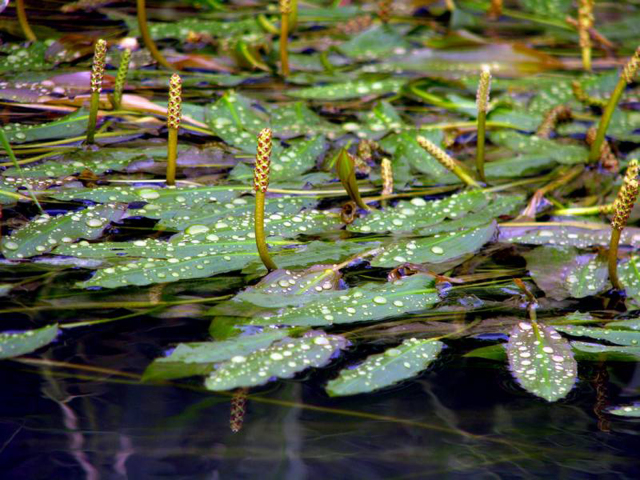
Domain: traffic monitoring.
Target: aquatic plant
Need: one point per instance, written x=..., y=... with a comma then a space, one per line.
x=97, y=73
x=285, y=11
x=174, y=115
x=121, y=78
x=260, y=186
x=141, y=11
x=482, y=102
x=24, y=21
x=446, y=161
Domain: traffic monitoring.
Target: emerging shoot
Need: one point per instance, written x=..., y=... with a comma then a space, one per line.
x=141, y=9
x=121, y=78
x=24, y=22
x=482, y=101
x=446, y=161
x=585, y=24
x=97, y=73
x=285, y=10
x=626, y=77
x=260, y=185
x=346, y=168
x=174, y=115
x=622, y=209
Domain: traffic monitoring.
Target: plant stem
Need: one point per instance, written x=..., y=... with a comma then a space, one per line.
x=613, y=259
x=261, y=241
x=285, y=9
x=93, y=118
x=594, y=210
x=172, y=155
x=24, y=22
x=7, y=147
x=482, y=102
x=146, y=36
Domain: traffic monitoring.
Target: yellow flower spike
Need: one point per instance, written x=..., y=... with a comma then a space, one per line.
x=97, y=73
x=446, y=161
x=626, y=77
x=121, y=78
x=585, y=24
x=285, y=10
x=622, y=207
x=174, y=115
x=260, y=185
x=482, y=102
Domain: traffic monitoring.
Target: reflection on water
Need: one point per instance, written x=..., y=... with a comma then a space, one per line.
x=465, y=419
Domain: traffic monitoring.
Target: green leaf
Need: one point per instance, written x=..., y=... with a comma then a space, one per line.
x=418, y=213
x=620, y=337
x=365, y=303
x=21, y=58
x=629, y=274
x=72, y=125
x=44, y=233
x=379, y=121
x=298, y=119
x=562, y=153
x=175, y=197
x=625, y=411
x=197, y=358
x=297, y=159
x=547, y=8
x=541, y=360
x=375, y=42
x=585, y=236
x=384, y=369
x=16, y=344
x=437, y=249
x=605, y=350
x=281, y=360
x=631, y=324
x=345, y=166
x=352, y=89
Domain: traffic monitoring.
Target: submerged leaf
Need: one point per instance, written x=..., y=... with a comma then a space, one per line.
x=19, y=343
x=626, y=411
x=281, y=360
x=541, y=360
x=384, y=369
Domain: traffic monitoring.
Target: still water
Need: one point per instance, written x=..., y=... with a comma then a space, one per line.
x=464, y=418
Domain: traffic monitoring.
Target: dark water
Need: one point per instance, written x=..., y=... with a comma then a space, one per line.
x=462, y=419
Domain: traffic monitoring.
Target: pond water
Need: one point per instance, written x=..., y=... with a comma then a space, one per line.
x=464, y=419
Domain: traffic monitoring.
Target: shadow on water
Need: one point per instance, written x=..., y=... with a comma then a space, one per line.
x=462, y=420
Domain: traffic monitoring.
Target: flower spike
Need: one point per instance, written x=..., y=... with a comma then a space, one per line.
x=482, y=101
x=260, y=185
x=121, y=78
x=446, y=161
x=174, y=114
x=97, y=73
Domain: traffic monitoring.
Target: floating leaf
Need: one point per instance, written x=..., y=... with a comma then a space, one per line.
x=197, y=358
x=384, y=369
x=620, y=337
x=298, y=159
x=629, y=274
x=72, y=125
x=418, y=213
x=560, y=152
x=19, y=343
x=298, y=119
x=605, y=350
x=437, y=249
x=625, y=411
x=373, y=43
x=631, y=324
x=352, y=89
x=577, y=234
x=281, y=360
x=541, y=360
x=44, y=233
x=379, y=121
x=364, y=303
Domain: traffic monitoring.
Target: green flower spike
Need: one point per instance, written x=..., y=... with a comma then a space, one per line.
x=121, y=78
x=260, y=185
x=174, y=114
x=626, y=77
x=482, y=101
x=97, y=73
x=585, y=24
x=621, y=210
x=446, y=161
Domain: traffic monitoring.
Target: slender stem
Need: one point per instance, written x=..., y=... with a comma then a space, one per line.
x=261, y=241
x=7, y=147
x=172, y=155
x=613, y=259
x=93, y=118
x=24, y=22
x=594, y=210
x=482, y=119
x=596, y=146
x=146, y=36
x=284, y=47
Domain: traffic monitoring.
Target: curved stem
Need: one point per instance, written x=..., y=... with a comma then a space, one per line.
x=146, y=36
x=284, y=52
x=172, y=155
x=613, y=259
x=261, y=241
x=596, y=146
x=93, y=118
x=24, y=22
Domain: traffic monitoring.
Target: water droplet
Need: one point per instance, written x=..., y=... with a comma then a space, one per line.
x=95, y=222
x=148, y=193
x=11, y=245
x=379, y=300
x=195, y=229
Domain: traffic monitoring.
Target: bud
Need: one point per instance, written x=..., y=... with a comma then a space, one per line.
x=174, y=110
x=626, y=197
x=484, y=89
x=386, y=172
x=99, y=63
x=263, y=161
x=285, y=7
x=121, y=77
x=631, y=67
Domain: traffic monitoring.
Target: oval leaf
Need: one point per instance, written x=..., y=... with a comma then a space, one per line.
x=16, y=344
